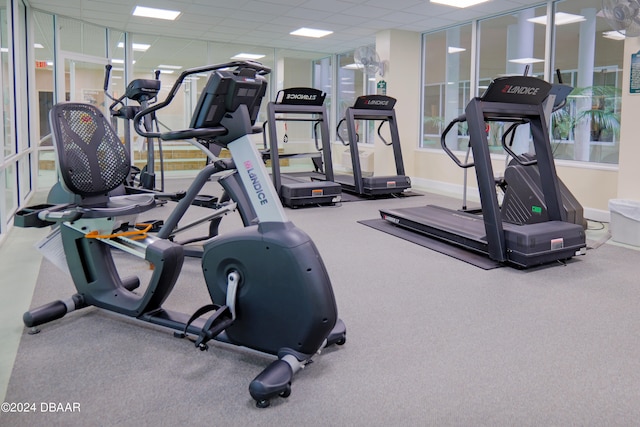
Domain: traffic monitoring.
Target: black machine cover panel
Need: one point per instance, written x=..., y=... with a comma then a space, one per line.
x=517, y=90
x=300, y=96
x=374, y=102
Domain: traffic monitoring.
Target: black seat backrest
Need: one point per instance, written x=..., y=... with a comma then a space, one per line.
x=92, y=161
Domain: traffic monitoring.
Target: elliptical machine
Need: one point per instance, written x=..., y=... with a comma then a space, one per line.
x=142, y=91
x=270, y=289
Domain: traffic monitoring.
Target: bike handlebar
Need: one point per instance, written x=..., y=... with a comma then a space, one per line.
x=106, y=76
x=259, y=68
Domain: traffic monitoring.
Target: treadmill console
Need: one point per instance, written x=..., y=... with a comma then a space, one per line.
x=300, y=96
x=517, y=90
x=561, y=91
x=375, y=102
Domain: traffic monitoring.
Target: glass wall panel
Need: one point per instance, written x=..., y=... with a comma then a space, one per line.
x=44, y=53
x=10, y=192
x=22, y=52
x=170, y=56
x=590, y=57
x=81, y=37
x=24, y=169
x=351, y=82
x=511, y=45
x=586, y=52
x=446, y=89
x=117, y=80
x=300, y=69
x=8, y=136
x=43, y=26
x=323, y=78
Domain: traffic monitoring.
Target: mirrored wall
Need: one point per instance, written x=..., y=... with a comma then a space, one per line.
x=76, y=70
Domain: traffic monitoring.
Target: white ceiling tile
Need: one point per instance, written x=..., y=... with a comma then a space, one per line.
x=268, y=22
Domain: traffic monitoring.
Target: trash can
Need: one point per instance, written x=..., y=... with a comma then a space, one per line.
x=625, y=221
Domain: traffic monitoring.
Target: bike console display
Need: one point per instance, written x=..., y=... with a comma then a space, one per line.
x=142, y=89
x=225, y=92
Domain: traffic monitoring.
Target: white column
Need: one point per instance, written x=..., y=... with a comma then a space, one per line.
x=586, y=61
x=520, y=45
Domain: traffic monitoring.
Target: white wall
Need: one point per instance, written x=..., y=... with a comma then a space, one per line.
x=401, y=52
x=629, y=164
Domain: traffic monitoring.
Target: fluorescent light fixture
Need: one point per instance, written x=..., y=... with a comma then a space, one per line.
x=167, y=71
x=452, y=49
x=526, y=60
x=4, y=49
x=243, y=55
x=310, y=32
x=613, y=35
x=170, y=67
x=150, y=12
x=140, y=47
x=561, y=18
x=459, y=3
x=38, y=46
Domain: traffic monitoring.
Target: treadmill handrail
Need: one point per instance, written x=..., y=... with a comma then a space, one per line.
x=384, y=141
x=345, y=143
x=443, y=142
x=511, y=131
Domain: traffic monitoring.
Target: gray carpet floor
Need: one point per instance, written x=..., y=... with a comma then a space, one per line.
x=431, y=340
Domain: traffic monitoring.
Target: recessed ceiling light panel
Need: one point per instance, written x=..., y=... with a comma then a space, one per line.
x=140, y=47
x=459, y=3
x=526, y=60
x=561, y=18
x=251, y=56
x=150, y=12
x=310, y=32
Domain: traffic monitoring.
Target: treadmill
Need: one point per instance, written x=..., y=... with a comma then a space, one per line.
x=517, y=99
x=306, y=188
x=373, y=108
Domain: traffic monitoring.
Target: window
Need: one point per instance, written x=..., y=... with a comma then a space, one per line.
x=44, y=85
x=447, y=87
x=586, y=129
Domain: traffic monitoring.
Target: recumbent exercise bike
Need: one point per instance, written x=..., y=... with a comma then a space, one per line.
x=269, y=285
